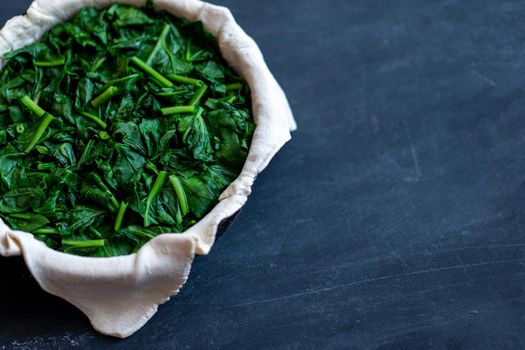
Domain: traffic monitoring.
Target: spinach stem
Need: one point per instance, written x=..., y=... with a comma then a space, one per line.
x=20, y=216
x=40, y=132
x=235, y=86
x=198, y=95
x=169, y=93
x=200, y=110
x=185, y=80
x=36, y=99
x=37, y=173
x=95, y=119
x=98, y=181
x=83, y=244
x=181, y=194
x=30, y=104
x=104, y=135
x=177, y=109
x=162, y=80
x=114, y=201
x=45, y=166
x=152, y=167
x=188, y=50
x=53, y=63
x=160, y=41
x=95, y=232
x=144, y=234
x=154, y=192
x=120, y=80
x=120, y=216
x=105, y=96
x=85, y=153
x=231, y=99
x=97, y=64
x=42, y=150
x=46, y=231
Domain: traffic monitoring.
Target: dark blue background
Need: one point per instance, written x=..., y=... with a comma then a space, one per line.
x=393, y=220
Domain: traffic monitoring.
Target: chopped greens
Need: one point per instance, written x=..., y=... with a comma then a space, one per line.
x=117, y=126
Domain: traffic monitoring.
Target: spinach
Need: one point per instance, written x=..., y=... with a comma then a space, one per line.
x=117, y=126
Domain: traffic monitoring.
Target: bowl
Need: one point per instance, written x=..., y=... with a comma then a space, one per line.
x=120, y=294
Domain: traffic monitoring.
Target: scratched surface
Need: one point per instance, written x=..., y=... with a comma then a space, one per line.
x=394, y=220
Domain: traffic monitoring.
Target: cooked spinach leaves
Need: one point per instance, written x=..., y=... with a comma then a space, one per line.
x=117, y=126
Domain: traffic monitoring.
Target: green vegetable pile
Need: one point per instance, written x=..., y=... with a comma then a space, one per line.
x=117, y=126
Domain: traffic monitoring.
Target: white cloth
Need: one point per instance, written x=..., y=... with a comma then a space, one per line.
x=120, y=294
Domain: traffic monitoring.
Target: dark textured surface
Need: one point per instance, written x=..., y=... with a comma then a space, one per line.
x=394, y=220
